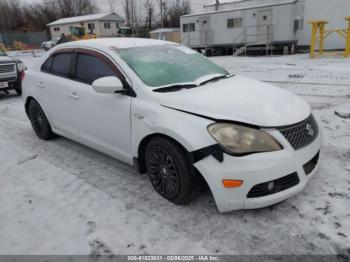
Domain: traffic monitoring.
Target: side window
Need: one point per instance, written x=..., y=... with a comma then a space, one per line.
x=234, y=22
x=90, y=68
x=46, y=67
x=61, y=64
x=189, y=27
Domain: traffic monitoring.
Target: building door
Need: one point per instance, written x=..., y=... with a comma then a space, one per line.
x=205, y=34
x=264, y=26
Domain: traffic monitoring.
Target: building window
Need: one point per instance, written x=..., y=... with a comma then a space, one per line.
x=189, y=27
x=117, y=25
x=56, y=29
x=107, y=25
x=299, y=24
x=91, y=26
x=234, y=22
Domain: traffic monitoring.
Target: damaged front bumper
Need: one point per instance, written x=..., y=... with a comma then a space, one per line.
x=259, y=170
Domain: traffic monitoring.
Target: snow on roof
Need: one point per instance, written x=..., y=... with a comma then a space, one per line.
x=282, y=2
x=85, y=18
x=116, y=42
x=224, y=2
x=165, y=30
x=238, y=1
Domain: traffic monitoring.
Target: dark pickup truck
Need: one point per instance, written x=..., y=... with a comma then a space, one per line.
x=11, y=73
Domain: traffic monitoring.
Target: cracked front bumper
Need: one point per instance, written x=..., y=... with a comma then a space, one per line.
x=257, y=169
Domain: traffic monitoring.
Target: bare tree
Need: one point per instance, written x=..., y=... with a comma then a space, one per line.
x=112, y=5
x=69, y=8
x=149, y=11
x=176, y=10
x=127, y=11
x=15, y=15
x=162, y=4
x=10, y=15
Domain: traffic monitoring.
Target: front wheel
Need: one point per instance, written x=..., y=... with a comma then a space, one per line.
x=169, y=171
x=39, y=121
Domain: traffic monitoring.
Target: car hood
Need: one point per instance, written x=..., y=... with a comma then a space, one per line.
x=240, y=99
x=4, y=59
x=7, y=59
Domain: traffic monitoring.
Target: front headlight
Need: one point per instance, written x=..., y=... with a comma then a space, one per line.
x=240, y=140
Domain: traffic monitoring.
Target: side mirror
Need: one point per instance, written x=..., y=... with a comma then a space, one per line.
x=107, y=85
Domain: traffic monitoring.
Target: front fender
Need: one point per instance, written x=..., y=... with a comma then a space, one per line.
x=187, y=129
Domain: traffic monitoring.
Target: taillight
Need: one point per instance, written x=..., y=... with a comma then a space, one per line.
x=22, y=75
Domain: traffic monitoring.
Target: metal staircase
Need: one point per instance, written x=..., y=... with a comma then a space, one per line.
x=250, y=39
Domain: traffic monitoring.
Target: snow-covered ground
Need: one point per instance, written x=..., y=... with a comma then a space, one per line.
x=60, y=197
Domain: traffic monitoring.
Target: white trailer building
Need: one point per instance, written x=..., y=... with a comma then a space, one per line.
x=227, y=25
x=249, y=24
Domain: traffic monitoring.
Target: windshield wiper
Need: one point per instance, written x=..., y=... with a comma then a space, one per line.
x=174, y=88
x=177, y=87
x=216, y=78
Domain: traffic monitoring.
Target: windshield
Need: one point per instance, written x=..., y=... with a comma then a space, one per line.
x=166, y=65
x=2, y=53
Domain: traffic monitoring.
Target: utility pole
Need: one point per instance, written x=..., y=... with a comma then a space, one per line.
x=150, y=14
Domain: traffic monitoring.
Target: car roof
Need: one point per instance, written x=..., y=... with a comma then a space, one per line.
x=119, y=43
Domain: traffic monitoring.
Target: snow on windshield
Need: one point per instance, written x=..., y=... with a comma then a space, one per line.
x=168, y=64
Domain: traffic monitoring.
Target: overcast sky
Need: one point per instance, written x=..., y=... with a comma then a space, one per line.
x=197, y=5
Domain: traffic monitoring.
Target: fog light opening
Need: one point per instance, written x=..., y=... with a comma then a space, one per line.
x=271, y=186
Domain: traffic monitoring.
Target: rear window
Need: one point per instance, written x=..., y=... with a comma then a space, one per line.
x=90, y=68
x=61, y=64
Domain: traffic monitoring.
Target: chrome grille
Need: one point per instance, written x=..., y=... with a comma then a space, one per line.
x=7, y=68
x=302, y=134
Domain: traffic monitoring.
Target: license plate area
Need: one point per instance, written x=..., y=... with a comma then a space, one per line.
x=4, y=85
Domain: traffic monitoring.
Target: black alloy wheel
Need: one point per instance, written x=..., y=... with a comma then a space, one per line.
x=170, y=173
x=39, y=121
x=163, y=173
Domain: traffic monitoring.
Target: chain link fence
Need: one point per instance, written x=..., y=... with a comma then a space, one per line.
x=16, y=41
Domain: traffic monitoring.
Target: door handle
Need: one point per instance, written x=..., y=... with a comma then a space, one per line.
x=40, y=84
x=74, y=95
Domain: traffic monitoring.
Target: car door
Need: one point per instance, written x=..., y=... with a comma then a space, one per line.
x=55, y=89
x=103, y=120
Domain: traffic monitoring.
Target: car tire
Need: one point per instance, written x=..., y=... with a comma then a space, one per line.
x=39, y=121
x=169, y=170
x=18, y=91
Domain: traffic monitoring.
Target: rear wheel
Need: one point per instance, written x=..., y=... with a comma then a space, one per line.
x=39, y=121
x=169, y=171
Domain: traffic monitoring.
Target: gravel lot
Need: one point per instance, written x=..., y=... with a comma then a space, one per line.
x=60, y=197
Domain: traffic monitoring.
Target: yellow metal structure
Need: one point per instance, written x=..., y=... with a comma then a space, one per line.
x=347, y=49
x=319, y=34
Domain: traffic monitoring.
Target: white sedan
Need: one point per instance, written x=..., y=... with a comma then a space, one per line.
x=172, y=113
